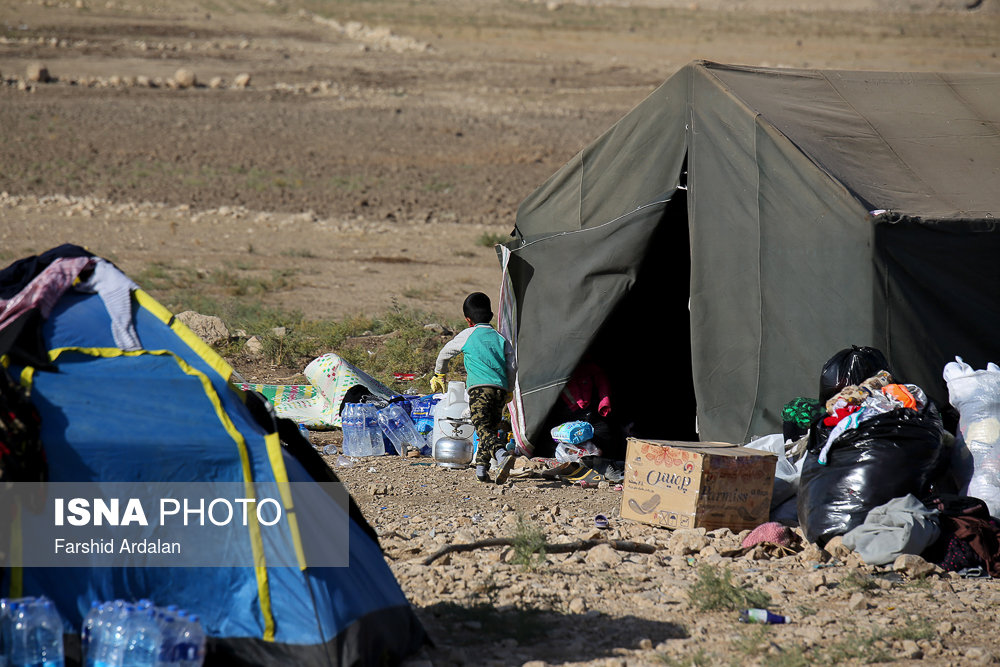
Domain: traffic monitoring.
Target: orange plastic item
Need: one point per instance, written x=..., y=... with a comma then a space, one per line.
x=901, y=394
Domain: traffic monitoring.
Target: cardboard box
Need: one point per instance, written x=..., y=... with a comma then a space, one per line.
x=695, y=484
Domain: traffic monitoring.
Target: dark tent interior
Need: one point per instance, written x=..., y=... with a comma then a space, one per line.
x=655, y=398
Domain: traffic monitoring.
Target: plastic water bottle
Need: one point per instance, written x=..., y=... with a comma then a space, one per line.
x=22, y=644
x=112, y=638
x=142, y=639
x=761, y=616
x=399, y=428
x=374, y=430
x=49, y=631
x=6, y=621
x=362, y=435
x=191, y=643
x=168, y=640
x=36, y=634
x=352, y=430
x=87, y=629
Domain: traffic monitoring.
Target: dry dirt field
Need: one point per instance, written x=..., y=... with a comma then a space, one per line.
x=367, y=153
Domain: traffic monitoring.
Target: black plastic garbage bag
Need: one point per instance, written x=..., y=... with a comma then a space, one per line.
x=852, y=365
x=885, y=457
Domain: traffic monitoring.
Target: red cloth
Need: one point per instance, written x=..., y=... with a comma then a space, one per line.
x=839, y=414
x=772, y=532
x=587, y=385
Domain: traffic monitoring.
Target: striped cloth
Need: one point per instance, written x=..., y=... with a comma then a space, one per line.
x=317, y=405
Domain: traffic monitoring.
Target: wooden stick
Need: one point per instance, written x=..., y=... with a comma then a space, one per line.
x=562, y=548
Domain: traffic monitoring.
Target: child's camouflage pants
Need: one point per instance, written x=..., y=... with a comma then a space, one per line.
x=486, y=407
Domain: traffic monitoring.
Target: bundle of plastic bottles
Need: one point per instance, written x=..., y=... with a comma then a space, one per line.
x=123, y=634
x=364, y=425
x=31, y=633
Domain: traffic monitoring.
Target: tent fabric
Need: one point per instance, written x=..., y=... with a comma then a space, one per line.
x=168, y=413
x=816, y=208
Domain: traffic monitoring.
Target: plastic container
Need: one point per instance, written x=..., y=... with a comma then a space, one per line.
x=399, y=428
x=92, y=634
x=168, y=632
x=762, y=616
x=50, y=634
x=110, y=645
x=190, y=649
x=142, y=639
x=6, y=624
x=36, y=634
x=422, y=414
x=23, y=646
x=362, y=435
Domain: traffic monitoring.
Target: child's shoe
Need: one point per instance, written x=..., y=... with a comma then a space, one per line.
x=481, y=474
x=506, y=462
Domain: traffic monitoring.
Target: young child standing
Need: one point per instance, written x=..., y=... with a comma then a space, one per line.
x=489, y=367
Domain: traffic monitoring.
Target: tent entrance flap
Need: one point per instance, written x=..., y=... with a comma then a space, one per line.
x=644, y=345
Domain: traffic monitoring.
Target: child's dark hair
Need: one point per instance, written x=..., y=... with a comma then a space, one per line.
x=477, y=308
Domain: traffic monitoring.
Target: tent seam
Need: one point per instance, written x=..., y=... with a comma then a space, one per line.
x=658, y=202
x=760, y=288
x=888, y=146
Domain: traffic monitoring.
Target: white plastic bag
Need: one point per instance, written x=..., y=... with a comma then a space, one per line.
x=976, y=396
x=786, y=473
x=567, y=453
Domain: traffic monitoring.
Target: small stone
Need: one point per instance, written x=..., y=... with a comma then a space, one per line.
x=835, y=547
x=646, y=644
x=945, y=628
x=854, y=561
x=857, y=602
x=978, y=656
x=254, y=346
x=209, y=328
x=38, y=73
x=242, y=80
x=913, y=565
x=686, y=542
x=577, y=606
x=910, y=651
x=216, y=82
x=812, y=553
x=815, y=581
x=603, y=554
x=185, y=78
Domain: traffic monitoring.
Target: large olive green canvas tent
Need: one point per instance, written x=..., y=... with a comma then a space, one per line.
x=740, y=225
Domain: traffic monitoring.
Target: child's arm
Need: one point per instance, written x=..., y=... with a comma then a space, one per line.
x=450, y=350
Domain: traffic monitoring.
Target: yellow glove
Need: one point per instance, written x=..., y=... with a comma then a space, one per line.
x=438, y=383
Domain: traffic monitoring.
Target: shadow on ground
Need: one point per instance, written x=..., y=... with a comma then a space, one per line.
x=514, y=635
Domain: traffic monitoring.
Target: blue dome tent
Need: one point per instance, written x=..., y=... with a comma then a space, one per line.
x=166, y=412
